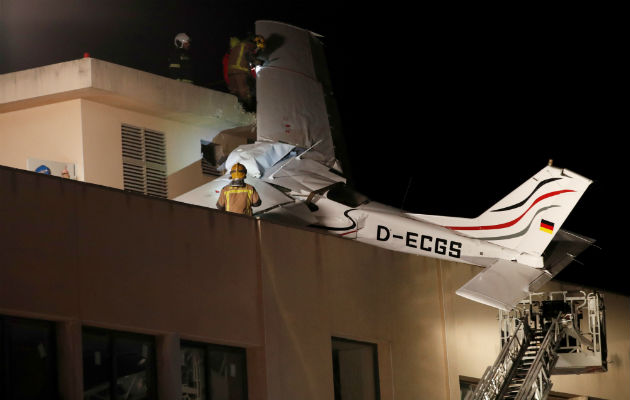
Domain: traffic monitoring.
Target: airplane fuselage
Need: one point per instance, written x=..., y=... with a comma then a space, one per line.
x=386, y=227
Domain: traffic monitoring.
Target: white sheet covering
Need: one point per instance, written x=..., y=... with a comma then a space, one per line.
x=258, y=157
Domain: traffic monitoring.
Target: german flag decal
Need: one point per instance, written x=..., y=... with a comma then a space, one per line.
x=546, y=226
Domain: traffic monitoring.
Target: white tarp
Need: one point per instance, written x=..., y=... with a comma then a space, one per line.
x=258, y=157
x=290, y=100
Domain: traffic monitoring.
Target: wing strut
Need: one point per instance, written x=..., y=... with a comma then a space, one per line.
x=299, y=157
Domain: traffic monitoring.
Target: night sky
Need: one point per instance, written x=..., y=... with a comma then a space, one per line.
x=444, y=111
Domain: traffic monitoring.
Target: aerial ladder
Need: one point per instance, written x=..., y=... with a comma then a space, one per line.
x=553, y=333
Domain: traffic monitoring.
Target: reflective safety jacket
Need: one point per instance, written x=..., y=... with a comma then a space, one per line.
x=180, y=65
x=238, y=199
x=240, y=57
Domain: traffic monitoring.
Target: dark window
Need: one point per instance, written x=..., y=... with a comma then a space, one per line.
x=346, y=195
x=212, y=372
x=118, y=365
x=467, y=386
x=355, y=370
x=28, y=365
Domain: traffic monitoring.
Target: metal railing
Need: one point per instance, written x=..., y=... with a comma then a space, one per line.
x=537, y=383
x=499, y=374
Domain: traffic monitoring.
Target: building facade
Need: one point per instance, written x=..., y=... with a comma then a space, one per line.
x=110, y=293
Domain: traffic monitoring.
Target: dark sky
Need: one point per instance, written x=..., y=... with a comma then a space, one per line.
x=444, y=111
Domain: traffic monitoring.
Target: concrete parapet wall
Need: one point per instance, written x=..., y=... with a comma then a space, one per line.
x=123, y=87
x=87, y=255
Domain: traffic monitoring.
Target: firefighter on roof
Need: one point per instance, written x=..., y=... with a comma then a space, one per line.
x=180, y=62
x=241, y=60
x=238, y=197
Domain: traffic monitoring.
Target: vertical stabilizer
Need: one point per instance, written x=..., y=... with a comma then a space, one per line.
x=528, y=218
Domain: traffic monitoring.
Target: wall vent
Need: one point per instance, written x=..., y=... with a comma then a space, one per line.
x=144, y=161
x=209, y=169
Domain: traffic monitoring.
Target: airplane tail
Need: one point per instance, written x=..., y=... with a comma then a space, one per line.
x=528, y=218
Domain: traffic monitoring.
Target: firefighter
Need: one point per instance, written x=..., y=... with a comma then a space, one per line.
x=241, y=61
x=237, y=196
x=180, y=61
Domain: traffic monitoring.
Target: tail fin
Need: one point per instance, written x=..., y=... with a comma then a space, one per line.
x=528, y=218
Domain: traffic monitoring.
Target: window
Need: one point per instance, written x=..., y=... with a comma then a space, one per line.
x=346, y=195
x=144, y=161
x=467, y=386
x=213, y=158
x=118, y=365
x=28, y=365
x=355, y=370
x=212, y=372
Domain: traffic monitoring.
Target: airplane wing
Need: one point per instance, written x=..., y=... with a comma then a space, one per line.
x=292, y=91
x=504, y=284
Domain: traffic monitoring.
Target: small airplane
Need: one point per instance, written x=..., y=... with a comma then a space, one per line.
x=293, y=166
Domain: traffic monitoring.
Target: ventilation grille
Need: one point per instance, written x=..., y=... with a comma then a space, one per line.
x=144, y=161
x=209, y=169
x=155, y=150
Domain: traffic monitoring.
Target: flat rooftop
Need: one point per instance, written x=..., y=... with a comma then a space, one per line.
x=119, y=86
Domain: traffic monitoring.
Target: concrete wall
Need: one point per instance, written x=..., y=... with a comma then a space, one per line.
x=88, y=134
x=72, y=112
x=89, y=255
x=49, y=132
x=123, y=87
x=102, y=144
x=82, y=254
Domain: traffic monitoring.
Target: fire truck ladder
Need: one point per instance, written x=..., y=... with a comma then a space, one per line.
x=523, y=369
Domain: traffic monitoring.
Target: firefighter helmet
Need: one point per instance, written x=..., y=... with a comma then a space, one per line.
x=260, y=42
x=180, y=39
x=238, y=171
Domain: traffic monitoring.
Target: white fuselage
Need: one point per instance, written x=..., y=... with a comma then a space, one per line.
x=387, y=227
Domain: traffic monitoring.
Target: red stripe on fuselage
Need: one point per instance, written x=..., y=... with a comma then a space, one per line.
x=510, y=223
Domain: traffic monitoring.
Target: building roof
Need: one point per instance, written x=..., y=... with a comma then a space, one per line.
x=119, y=86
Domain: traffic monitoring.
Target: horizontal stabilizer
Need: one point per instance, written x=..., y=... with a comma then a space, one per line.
x=504, y=284
x=563, y=249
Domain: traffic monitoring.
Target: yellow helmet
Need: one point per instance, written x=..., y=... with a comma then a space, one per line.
x=238, y=171
x=260, y=42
